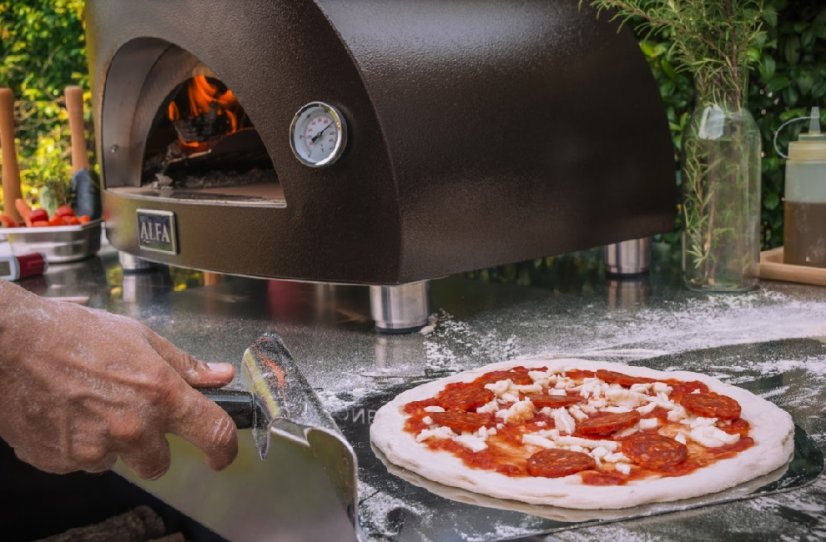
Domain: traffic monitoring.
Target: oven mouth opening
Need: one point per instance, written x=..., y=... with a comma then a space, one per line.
x=202, y=146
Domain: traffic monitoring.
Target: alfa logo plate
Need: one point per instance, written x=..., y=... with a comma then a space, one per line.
x=156, y=231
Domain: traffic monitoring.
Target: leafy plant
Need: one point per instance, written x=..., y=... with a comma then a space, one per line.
x=715, y=41
x=42, y=45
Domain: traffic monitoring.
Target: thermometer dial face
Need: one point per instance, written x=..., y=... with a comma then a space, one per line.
x=318, y=134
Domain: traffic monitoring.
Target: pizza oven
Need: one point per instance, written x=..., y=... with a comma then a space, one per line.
x=372, y=142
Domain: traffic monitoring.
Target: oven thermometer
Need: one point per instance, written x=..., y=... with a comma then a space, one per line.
x=318, y=134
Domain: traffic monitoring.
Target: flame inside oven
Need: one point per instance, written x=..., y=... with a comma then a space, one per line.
x=210, y=112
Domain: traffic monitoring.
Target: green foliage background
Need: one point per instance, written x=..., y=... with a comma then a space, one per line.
x=42, y=47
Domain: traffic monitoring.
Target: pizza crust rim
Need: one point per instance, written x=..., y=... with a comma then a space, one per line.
x=771, y=428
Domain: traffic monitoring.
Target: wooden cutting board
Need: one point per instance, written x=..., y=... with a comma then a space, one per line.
x=773, y=268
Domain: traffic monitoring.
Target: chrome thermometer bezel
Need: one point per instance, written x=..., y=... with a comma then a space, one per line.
x=298, y=123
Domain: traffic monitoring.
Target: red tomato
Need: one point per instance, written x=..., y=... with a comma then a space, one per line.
x=72, y=220
x=55, y=221
x=84, y=219
x=40, y=223
x=65, y=210
x=7, y=222
x=39, y=215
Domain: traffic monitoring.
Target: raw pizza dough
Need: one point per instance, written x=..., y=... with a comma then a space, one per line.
x=771, y=428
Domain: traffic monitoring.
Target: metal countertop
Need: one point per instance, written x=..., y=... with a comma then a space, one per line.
x=576, y=312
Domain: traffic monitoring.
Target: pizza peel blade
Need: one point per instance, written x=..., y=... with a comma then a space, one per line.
x=288, y=410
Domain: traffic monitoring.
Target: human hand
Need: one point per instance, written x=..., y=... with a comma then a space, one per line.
x=81, y=387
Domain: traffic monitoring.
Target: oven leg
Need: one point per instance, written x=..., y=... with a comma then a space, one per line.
x=400, y=309
x=628, y=258
x=132, y=264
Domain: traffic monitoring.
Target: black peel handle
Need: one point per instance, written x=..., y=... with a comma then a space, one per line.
x=239, y=404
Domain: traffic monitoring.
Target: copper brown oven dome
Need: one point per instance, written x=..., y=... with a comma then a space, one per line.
x=477, y=133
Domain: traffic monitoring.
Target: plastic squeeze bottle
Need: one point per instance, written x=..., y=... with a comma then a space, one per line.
x=804, y=230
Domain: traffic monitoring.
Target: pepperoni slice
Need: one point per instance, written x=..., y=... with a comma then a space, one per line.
x=461, y=421
x=684, y=388
x=540, y=400
x=711, y=405
x=653, y=451
x=463, y=397
x=604, y=424
x=517, y=375
x=622, y=379
x=555, y=463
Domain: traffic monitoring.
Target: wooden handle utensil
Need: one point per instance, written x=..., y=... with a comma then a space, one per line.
x=11, y=171
x=74, y=105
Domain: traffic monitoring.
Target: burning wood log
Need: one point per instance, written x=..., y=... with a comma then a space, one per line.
x=203, y=115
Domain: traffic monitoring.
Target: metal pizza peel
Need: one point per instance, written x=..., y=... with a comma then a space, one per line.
x=295, y=474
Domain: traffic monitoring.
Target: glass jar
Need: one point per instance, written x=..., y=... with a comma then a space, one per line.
x=721, y=197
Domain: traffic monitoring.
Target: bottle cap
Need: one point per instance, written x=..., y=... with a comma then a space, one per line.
x=811, y=146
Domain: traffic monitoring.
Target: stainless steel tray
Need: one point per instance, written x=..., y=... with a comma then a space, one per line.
x=58, y=244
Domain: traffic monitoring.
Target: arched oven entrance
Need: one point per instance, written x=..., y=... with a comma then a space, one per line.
x=190, y=138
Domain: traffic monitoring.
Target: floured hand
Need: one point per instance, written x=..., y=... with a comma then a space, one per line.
x=81, y=387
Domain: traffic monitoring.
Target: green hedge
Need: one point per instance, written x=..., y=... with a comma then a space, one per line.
x=42, y=46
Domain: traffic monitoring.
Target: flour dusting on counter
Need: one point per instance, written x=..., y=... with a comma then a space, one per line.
x=454, y=345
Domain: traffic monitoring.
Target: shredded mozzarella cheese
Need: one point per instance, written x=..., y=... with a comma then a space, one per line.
x=642, y=387
x=437, y=432
x=577, y=413
x=712, y=437
x=661, y=387
x=677, y=414
x=517, y=412
x=607, y=445
x=649, y=423
x=471, y=442
x=543, y=378
x=526, y=388
x=499, y=387
x=615, y=457
x=563, y=420
x=627, y=432
x=488, y=408
x=599, y=452
x=537, y=440
x=626, y=398
x=623, y=468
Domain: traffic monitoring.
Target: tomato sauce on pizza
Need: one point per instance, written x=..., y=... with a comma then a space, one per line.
x=608, y=427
